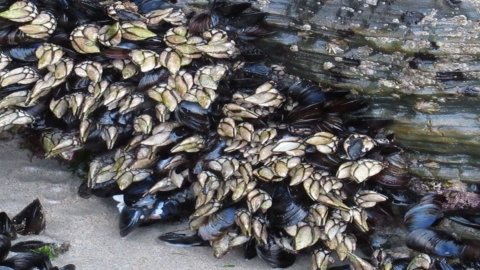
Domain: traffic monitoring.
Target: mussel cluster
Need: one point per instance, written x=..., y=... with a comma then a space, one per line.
x=450, y=234
x=16, y=254
x=180, y=115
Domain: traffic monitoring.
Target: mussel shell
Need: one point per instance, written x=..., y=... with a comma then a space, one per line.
x=136, y=191
x=151, y=78
x=226, y=9
x=84, y=191
x=217, y=224
x=192, y=115
x=27, y=246
x=435, y=243
x=129, y=219
x=306, y=93
x=5, y=245
x=25, y=53
x=30, y=220
x=145, y=6
x=400, y=264
x=66, y=267
x=6, y=226
x=422, y=216
x=28, y=261
x=286, y=209
x=247, y=19
x=367, y=124
x=183, y=239
x=13, y=36
x=327, y=162
x=250, y=249
x=164, y=164
x=174, y=206
x=200, y=23
x=274, y=255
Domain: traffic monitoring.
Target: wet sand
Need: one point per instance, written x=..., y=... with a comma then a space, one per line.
x=90, y=225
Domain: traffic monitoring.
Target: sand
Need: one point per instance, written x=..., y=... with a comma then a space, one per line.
x=90, y=225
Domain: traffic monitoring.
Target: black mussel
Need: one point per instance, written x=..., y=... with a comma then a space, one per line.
x=328, y=162
x=28, y=246
x=62, y=38
x=28, y=261
x=202, y=22
x=402, y=200
x=77, y=85
x=365, y=125
x=84, y=10
x=25, y=53
x=307, y=93
x=274, y=255
x=175, y=206
x=67, y=267
x=214, y=152
x=129, y=219
x=346, y=105
x=151, y=78
x=121, y=51
x=135, y=191
x=6, y=226
x=286, y=209
x=254, y=32
x=395, y=175
x=150, y=209
x=422, y=216
x=106, y=189
x=165, y=164
x=192, y=115
x=243, y=83
x=218, y=10
x=30, y=220
x=309, y=117
x=5, y=245
x=217, y=224
x=341, y=267
x=256, y=69
x=250, y=249
x=183, y=239
x=247, y=19
x=145, y=6
x=179, y=133
x=441, y=244
x=13, y=36
x=400, y=264
x=84, y=191
x=226, y=9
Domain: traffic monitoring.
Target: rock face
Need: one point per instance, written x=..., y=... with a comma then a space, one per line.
x=418, y=61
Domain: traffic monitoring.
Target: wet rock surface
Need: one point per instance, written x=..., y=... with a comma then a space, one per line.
x=90, y=225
